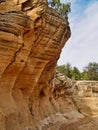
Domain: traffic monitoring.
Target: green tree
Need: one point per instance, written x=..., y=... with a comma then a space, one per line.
x=68, y=70
x=62, y=8
x=55, y=3
x=92, y=70
x=84, y=75
x=76, y=73
x=61, y=69
x=65, y=69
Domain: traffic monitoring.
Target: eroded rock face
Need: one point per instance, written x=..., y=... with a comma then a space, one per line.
x=31, y=38
x=85, y=97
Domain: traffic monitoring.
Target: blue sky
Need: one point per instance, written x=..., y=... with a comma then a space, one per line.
x=82, y=47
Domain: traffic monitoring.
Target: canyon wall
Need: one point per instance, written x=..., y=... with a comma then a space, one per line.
x=31, y=38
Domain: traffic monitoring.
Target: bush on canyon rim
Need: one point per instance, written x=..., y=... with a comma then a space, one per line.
x=63, y=8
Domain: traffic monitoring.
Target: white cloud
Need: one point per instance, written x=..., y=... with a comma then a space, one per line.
x=83, y=44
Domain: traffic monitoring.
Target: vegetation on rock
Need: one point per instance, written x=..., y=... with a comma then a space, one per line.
x=62, y=8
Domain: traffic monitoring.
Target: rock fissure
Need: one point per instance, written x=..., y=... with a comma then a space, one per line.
x=14, y=57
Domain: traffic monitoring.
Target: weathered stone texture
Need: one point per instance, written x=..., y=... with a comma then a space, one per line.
x=31, y=38
x=86, y=96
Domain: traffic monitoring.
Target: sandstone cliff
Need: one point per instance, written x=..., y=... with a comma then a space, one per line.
x=31, y=38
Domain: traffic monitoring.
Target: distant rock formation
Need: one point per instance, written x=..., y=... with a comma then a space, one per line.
x=85, y=97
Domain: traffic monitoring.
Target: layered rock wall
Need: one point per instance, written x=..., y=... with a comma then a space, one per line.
x=85, y=97
x=31, y=38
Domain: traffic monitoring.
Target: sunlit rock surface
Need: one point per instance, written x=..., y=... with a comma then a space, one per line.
x=31, y=38
x=85, y=97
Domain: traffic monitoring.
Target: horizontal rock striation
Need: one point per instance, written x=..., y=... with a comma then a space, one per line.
x=31, y=38
x=85, y=97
